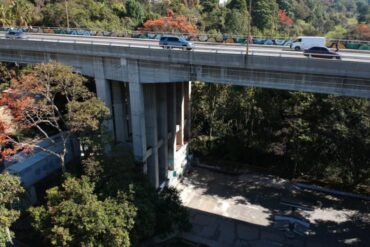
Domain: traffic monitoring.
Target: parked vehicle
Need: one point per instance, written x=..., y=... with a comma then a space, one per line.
x=15, y=34
x=321, y=52
x=306, y=42
x=170, y=42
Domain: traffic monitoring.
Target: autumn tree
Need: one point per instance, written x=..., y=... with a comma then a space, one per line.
x=284, y=18
x=170, y=23
x=10, y=192
x=50, y=99
x=361, y=32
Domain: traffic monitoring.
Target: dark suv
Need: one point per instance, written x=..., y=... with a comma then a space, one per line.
x=321, y=52
x=170, y=42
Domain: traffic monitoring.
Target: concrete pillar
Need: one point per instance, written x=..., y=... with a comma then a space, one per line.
x=103, y=90
x=118, y=113
x=180, y=119
x=136, y=93
x=171, y=120
x=162, y=131
x=187, y=108
x=127, y=113
x=150, y=104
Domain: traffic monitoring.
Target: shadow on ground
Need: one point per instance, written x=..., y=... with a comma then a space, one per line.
x=225, y=203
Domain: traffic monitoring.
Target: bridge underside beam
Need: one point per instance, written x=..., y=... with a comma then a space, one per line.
x=161, y=72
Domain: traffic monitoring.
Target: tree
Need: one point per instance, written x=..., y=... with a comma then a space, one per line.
x=236, y=22
x=97, y=15
x=74, y=216
x=17, y=13
x=263, y=13
x=7, y=73
x=10, y=193
x=284, y=18
x=240, y=5
x=363, y=10
x=209, y=5
x=50, y=98
x=341, y=130
x=135, y=11
x=170, y=23
x=361, y=32
x=157, y=214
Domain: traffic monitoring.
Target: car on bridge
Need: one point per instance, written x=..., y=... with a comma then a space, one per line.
x=321, y=52
x=15, y=34
x=170, y=42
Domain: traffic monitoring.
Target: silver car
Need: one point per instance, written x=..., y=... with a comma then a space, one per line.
x=175, y=42
x=15, y=34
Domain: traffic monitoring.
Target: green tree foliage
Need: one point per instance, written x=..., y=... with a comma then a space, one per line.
x=135, y=11
x=156, y=213
x=209, y=5
x=363, y=10
x=283, y=129
x=240, y=5
x=263, y=13
x=74, y=216
x=82, y=13
x=10, y=193
x=236, y=22
x=17, y=13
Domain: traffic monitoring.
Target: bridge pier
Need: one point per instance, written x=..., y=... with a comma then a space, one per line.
x=171, y=97
x=103, y=89
x=153, y=119
x=162, y=131
x=180, y=118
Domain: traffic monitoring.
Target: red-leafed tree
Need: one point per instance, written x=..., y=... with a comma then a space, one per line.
x=284, y=18
x=171, y=23
x=361, y=31
x=50, y=99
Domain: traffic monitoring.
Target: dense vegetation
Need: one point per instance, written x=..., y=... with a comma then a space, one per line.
x=334, y=18
x=100, y=200
x=293, y=134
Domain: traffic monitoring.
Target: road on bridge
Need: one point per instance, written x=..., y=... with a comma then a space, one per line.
x=280, y=51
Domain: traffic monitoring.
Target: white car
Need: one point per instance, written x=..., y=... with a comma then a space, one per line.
x=306, y=42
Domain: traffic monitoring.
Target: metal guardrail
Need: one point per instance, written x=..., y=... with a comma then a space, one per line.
x=222, y=49
x=201, y=37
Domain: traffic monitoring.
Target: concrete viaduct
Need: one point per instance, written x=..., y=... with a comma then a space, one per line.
x=148, y=90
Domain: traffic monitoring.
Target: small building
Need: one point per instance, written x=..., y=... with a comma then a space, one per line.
x=34, y=167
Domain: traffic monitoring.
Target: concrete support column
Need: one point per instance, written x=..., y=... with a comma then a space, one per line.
x=150, y=104
x=103, y=91
x=118, y=113
x=162, y=131
x=171, y=120
x=180, y=119
x=187, y=108
x=136, y=93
